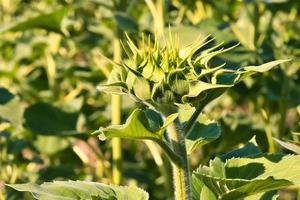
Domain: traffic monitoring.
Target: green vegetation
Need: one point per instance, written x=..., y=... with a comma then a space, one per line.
x=210, y=100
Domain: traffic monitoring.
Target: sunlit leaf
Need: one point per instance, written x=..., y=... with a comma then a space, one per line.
x=113, y=88
x=73, y=190
x=244, y=30
x=199, y=87
x=247, y=150
x=201, y=134
x=139, y=125
x=50, y=144
x=271, y=195
x=242, y=177
x=288, y=145
x=10, y=108
x=250, y=70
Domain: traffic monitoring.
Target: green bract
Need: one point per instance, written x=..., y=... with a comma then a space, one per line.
x=168, y=77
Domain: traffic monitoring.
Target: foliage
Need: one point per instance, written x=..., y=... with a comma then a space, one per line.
x=82, y=190
x=242, y=177
x=50, y=68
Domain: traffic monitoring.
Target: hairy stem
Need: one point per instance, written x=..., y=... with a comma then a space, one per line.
x=116, y=119
x=181, y=174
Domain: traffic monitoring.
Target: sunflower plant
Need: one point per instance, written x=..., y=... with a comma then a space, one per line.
x=165, y=79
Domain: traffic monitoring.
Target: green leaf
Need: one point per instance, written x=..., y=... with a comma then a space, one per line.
x=5, y=96
x=73, y=190
x=139, y=125
x=201, y=134
x=154, y=120
x=243, y=177
x=207, y=194
x=142, y=125
x=250, y=70
x=126, y=22
x=169, y=120
x=288, y=145
x=247, y=150
x=197, y=186
x=45, y=119
x=256, y=186
x=200, y=190
x=271, y=195
x=52, y=21
x=244, y=30
x=10, y=108
x=118, y=88
x=199, y=87
x=50, y=144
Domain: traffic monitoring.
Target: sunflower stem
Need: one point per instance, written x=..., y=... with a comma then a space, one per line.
x=116, y=119
x=181, y=173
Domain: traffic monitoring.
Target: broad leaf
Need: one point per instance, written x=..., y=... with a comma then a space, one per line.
x=243, y=177
x=10, y=108
x=126, y=22
x=73, y=190
x=200, y=87
x=143, y=125
x=114, y=88
x=50, y=144
x=140, y=125
x=46, y=119
x=202, y=92
x=52, y=21
x=249, y=149
x=200, y=191
x=201, y=134
x=271, y=195
x=244, y=30
x=5, y=96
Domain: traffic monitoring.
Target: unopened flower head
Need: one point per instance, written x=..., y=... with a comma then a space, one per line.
x=166, y=76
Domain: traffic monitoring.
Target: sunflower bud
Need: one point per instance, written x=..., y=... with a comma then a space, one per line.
x=167, y=77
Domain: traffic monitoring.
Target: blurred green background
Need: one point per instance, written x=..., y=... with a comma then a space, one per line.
x=51, y=64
